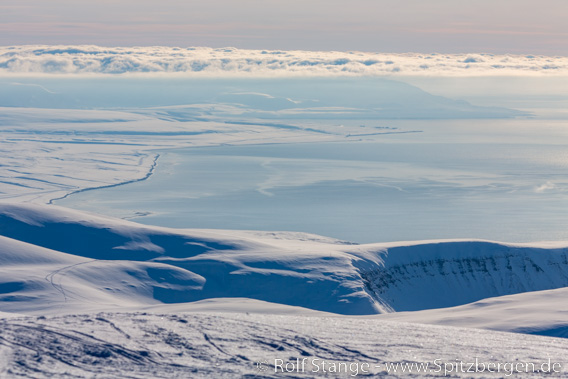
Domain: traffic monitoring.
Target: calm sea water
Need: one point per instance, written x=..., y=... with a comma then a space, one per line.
x=504, y=180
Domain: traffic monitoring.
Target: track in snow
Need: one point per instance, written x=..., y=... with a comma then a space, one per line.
x=142, y=345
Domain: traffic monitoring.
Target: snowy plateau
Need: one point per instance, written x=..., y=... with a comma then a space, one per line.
x=90, y=289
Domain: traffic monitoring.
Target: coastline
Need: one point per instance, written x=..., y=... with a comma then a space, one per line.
x=148, y=174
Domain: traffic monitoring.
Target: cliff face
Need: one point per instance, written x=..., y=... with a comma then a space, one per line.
x=446, y=274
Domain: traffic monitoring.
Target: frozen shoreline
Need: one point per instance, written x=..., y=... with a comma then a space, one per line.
x=148, y=174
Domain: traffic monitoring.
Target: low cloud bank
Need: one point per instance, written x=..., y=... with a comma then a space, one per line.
x=203, y=61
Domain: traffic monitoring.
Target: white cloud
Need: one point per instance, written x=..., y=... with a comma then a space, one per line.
x=203, y=61
x=545, y=187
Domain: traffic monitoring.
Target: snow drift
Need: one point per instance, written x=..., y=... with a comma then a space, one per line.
x=54, y=259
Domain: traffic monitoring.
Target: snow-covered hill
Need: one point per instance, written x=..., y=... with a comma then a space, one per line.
x=110, y=298
x=55, y=259
x=538, y=312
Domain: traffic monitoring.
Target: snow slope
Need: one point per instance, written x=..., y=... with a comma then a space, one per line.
x=181, y=345
x=539, y=312
x=55, y=259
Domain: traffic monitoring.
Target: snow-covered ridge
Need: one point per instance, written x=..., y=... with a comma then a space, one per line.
x=203, y=61
x=53, y=258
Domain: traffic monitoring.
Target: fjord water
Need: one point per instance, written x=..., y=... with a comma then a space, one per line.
x=502, y=180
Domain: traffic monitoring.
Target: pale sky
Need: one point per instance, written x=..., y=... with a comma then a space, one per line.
x=445, y=26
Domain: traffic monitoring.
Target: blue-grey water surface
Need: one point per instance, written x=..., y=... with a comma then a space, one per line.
x=504, y=180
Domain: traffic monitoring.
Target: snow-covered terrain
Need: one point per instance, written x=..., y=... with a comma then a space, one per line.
x=182, y=345
x=149, y=265
x=83, y=261
x=111, y=298
x=86, y=295
x=535, y=312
